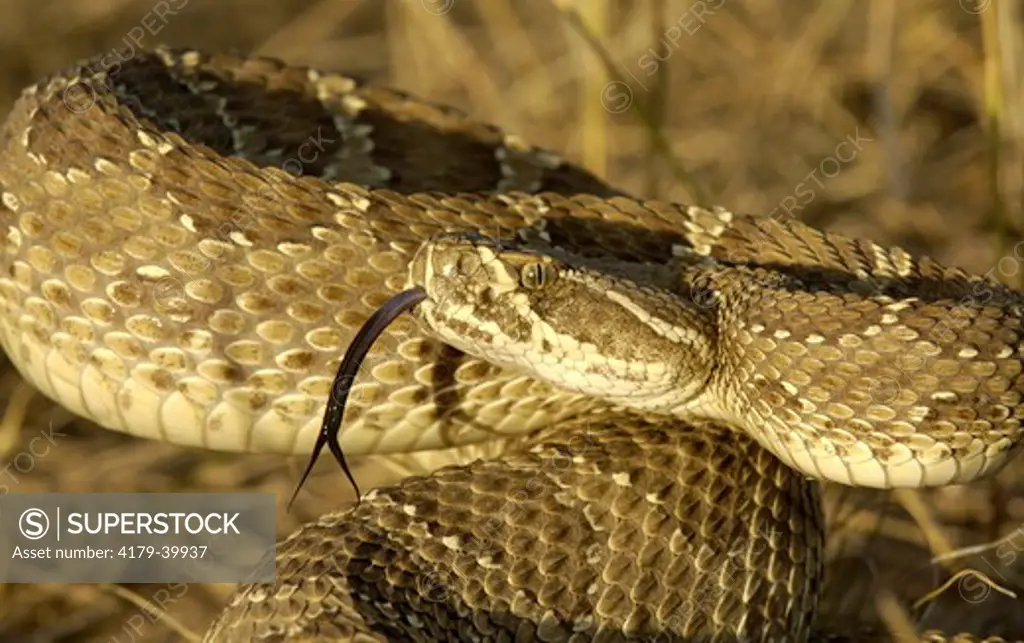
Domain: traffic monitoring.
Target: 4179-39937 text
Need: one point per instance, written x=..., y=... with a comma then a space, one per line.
x=123, y=552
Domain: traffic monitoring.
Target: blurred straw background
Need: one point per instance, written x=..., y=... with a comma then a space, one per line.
x=895, y=121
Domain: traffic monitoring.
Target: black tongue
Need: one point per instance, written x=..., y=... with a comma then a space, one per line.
x=354, y=356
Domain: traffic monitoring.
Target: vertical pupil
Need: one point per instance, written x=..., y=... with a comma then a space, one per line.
x=536, y=275
x=533, y=275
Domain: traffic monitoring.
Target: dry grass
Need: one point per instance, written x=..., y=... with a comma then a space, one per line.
x=749, y=98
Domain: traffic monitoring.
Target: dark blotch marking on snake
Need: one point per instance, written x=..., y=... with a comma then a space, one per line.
x=357, y=350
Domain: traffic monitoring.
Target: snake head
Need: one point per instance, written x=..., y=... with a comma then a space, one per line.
x=558, y=318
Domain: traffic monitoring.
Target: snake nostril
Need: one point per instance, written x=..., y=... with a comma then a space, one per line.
x=469, y=263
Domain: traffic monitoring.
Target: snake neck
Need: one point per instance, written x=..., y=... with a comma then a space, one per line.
x=846, y=381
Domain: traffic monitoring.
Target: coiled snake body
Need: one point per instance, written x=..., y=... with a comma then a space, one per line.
x=191, y=241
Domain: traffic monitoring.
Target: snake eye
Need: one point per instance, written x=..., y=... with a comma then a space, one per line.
x=536, y=275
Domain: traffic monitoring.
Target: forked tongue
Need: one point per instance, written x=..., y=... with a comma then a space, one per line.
x=354, y=356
